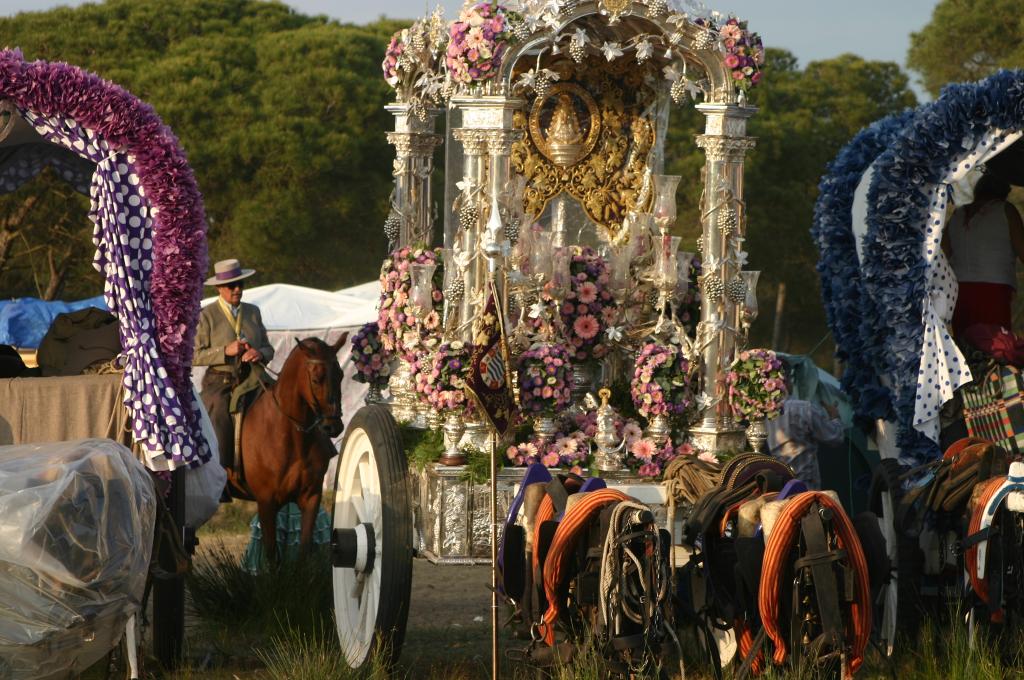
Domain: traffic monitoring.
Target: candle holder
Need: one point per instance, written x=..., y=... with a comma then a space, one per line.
x=664, y=210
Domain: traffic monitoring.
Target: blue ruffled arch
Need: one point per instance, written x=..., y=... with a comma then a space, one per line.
x=875, y=310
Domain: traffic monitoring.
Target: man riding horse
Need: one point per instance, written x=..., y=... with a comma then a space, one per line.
x=231, y=340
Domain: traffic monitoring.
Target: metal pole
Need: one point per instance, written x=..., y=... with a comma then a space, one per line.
x=495, y=670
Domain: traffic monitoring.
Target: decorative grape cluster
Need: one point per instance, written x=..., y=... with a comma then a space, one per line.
x=678, y=91
x=728, y=220
x=706, y=40
x=736, y=291
x=577, y=51
x=512, y=230
x=542, y=83
x=468, y=213
x=713, y=287
x=455, y=290
x=657, y=7
x=392, y=226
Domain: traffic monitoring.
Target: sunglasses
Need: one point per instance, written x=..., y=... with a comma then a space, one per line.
x=233, y=285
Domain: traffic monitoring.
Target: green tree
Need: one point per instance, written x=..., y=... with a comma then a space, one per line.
x=805, y=117
x=967, y=40
x=281, y=116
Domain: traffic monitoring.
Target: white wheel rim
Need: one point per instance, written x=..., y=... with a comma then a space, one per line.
x=358, y=501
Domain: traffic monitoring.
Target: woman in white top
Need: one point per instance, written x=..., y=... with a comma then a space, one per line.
x=983, y=241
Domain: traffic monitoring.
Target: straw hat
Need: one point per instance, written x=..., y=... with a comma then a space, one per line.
x=228, y=271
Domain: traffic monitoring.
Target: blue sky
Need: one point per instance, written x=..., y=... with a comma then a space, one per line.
x=811, y=29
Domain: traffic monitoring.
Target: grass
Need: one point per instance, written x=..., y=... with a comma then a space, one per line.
x=231, y=518
x=293, y=595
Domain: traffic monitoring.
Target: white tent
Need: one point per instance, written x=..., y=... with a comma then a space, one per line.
x=291, y=313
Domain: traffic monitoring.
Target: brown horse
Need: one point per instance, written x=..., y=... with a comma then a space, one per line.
x=286, y=439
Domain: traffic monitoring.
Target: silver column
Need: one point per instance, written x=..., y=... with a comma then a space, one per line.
x=725, y=145
x=414, y=141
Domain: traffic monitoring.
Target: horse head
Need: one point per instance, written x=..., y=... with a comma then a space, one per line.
x=320, y=387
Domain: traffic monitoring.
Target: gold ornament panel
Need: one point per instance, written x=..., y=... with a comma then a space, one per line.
x=606, y=181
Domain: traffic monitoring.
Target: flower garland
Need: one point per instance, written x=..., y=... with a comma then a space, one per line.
x=589, y=308
x=842, y=286
x=544, y=377
x=369, y=356
x=757, y=385
x=444, y=383
x=478, y=41
x=399, y=328
x=663, y=382
x=895, y=273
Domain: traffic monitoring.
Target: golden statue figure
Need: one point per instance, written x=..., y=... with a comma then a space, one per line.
x=564, y=136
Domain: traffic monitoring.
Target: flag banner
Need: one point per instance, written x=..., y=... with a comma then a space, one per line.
x=489, y=383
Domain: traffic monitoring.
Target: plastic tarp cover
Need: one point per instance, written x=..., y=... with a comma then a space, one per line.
x=76, y=533
x=24, y=321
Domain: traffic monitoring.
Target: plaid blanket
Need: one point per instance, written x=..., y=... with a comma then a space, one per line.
x=994, y=410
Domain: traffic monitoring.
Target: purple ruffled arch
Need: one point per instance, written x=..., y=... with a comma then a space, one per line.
x=179, y=229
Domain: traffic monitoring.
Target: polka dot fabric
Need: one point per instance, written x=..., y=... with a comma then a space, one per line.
x=943, y=369
x=122, y=233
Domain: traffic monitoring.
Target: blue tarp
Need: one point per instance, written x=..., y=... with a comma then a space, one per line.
x=24, y=321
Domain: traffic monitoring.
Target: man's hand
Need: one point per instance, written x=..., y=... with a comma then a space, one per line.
x=831, y=410
x=252, y=355
x=235, y=347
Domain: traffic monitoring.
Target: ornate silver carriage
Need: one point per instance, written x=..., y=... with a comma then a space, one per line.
x=554, y=127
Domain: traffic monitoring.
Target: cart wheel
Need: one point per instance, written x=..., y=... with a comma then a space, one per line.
x=371, y=539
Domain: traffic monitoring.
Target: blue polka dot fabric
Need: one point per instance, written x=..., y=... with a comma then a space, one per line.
x=122, y=233
x=943, y=368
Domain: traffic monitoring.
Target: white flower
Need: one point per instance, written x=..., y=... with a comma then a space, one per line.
x=741, y=258
x=614, y=333
x=644, y=50
x=611, y=50
x=537, y=310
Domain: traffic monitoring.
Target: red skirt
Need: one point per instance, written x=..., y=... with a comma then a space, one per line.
x=984, y=303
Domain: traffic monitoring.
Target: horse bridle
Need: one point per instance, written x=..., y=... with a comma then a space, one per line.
x=317, y=411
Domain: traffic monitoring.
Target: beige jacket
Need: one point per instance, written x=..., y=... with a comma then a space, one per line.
x=215, y=333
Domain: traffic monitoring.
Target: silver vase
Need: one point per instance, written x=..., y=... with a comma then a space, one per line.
x=757, y=435
x=659, y=429
x=545, y=428
x=453, y=429
x=435, y=419
x=374, y=395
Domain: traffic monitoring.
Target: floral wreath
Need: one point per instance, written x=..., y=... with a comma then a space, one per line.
x=477, y=42
x=412, y=62
x=757, y=385
x=399, y=328
x=544, y=378
x=744, y=51
x=663, y=382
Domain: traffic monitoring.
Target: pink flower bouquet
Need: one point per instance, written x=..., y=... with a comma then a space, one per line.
x=544, y=377
x=744, y=51
x=663, y=382
x=757, y=385
x=477, y=42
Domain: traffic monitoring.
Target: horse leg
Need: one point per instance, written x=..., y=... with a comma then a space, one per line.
x=268, y=528
x=310, y=506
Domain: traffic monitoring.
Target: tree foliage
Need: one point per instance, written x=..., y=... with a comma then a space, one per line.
x=281, y=116
x=283, y=121
x=805, y=117
x=967, y=40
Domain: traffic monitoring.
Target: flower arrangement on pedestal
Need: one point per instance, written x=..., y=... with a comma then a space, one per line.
x=545, y=374
x=443, y=383
x=757, y=385
x=663, y=382
x=400, y=328
x=477, y=42
x=744, y=51
x=589, y=307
